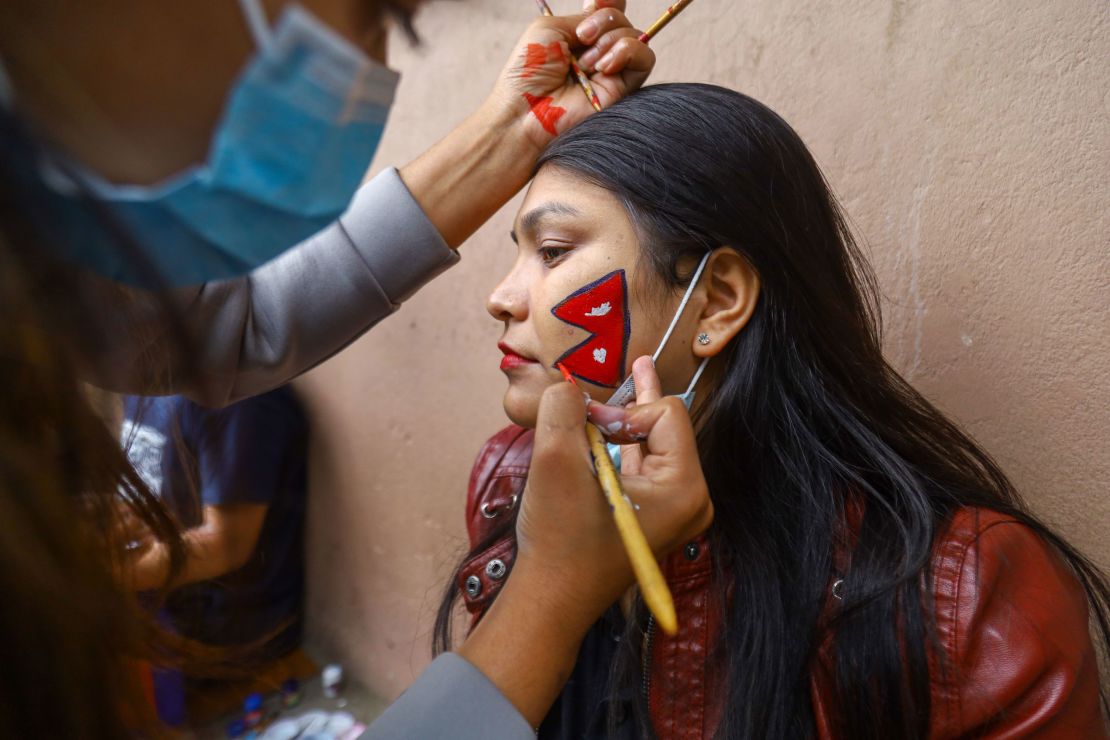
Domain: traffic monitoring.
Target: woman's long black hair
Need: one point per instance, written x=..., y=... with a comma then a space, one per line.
x=808, y=426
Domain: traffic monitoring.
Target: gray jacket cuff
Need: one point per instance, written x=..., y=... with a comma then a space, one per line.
x=403, y=251
x=451, y=700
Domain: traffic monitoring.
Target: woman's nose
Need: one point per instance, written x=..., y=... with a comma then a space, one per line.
x=509, y=300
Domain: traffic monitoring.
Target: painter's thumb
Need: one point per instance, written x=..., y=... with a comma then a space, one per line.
x=560, y=427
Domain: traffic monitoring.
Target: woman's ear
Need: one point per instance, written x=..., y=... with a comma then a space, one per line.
x=731, y=288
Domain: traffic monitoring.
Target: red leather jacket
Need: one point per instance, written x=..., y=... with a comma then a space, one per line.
x=1011, y=617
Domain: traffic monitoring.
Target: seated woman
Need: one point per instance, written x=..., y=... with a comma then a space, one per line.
x=871, y=572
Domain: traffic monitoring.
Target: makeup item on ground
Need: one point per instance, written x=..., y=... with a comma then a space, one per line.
x=664, y=19
x=331, y=680
x=252, y=710
x=316, y=724
x=311, y=723
x=283, y=729
x=576, y=69
x=653, y=587
x=290, y=693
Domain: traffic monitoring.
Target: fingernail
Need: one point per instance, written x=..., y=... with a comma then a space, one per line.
x=587, y=30
x=605, y=61
x=587, y=60
x=590, y=6
x=609, y=418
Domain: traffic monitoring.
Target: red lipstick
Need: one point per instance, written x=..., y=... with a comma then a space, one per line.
x=512, y=360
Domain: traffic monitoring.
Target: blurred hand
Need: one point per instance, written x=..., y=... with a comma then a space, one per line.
x=535, y=87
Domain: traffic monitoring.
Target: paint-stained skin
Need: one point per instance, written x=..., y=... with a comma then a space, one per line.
x=555, y=52
x=537, y=55
x=546, y=113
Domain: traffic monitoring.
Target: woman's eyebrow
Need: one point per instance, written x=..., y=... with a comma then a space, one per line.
x=531, y=221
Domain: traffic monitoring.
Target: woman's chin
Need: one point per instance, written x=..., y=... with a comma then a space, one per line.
x=521, y=407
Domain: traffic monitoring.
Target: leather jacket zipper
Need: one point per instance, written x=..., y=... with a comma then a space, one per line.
x=645, y=685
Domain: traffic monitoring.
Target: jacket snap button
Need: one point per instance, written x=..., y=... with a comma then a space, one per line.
x=473, y=586
x=496, y=569
x=692, y=551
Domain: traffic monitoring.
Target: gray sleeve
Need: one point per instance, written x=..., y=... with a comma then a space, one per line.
x=451, y=700
x=253, y=333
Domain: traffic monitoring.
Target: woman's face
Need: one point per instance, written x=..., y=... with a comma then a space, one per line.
x=579, y=293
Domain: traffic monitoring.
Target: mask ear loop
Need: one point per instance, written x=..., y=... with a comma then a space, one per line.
x=688, y=396
x=257, y=22
x=681, y=306
x=697, y=376
x=627, y=389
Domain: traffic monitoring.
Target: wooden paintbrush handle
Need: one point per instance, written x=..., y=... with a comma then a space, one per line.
x=664, y=19
x=653, y=587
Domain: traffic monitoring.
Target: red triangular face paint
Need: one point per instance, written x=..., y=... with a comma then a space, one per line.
x=600, y=308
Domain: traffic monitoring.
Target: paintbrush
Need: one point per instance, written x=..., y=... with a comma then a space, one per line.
x=576, y=69
x=653, y=587
x=664, y=19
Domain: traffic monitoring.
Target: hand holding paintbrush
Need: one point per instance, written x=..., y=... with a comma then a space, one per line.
x=613, y=62
x=570, y=565
x=667, y=473
x=575, y=69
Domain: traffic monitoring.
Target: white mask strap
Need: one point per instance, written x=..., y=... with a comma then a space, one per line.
x=681, y=306
x=697, y=377
x=627, y=389
x=257, y=22
x=688, y=396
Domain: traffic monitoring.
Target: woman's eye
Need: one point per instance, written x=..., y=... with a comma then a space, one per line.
x=550, y=255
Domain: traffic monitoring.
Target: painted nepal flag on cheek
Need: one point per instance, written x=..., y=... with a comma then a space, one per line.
x=601, y=308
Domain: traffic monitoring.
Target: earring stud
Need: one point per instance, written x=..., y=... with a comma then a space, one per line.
x=703, y=338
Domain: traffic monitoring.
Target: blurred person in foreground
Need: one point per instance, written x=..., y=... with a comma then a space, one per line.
x=129, y=260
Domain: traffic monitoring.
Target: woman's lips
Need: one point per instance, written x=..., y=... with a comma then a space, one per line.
x=512, y=360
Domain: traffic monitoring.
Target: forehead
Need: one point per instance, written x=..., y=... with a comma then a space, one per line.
x=556, y=195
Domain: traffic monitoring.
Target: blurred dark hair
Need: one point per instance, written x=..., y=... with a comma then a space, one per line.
x=807, y=425
x=404, y=16
x=72, y=634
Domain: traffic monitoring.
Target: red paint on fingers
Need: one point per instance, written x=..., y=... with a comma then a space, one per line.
x=546, y=113
x=537, y=55
x=555, y=52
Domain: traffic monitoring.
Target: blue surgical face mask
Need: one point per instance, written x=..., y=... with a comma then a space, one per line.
x=627, y=390
x=300, y=127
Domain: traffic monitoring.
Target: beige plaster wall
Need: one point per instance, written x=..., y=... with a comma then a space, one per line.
x=969, y=144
